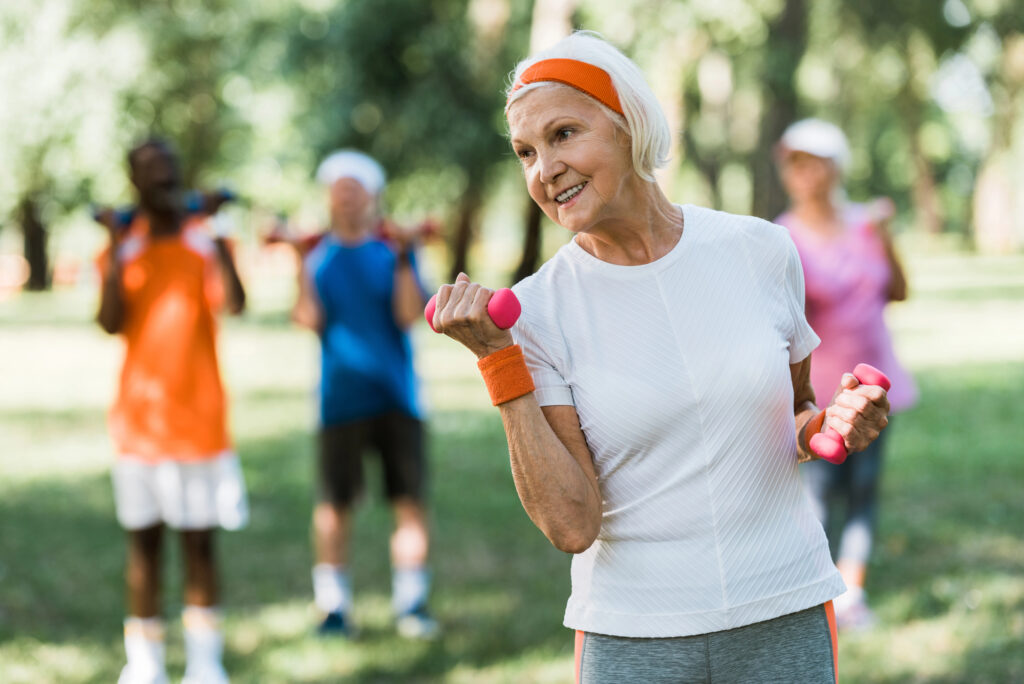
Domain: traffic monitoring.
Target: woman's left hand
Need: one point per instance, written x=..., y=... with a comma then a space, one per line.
x=858, y=413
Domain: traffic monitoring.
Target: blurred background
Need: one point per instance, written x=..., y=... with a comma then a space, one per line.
x=930, y=93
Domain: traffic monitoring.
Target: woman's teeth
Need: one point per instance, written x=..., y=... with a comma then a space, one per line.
x=569, y=194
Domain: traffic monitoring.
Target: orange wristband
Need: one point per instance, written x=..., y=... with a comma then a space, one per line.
x=813, y=427
x=505, y=374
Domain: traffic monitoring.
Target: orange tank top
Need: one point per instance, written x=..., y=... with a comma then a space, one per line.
x=170, y=402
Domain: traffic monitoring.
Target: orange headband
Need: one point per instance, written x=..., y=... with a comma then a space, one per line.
x=584, y=77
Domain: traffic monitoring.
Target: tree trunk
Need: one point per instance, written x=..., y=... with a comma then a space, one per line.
x=469, y=209
x=551, y=21
x=927, y=206
x=531, y=243
x=998, y=203
x=789, y=41
x=996, y=206
x=667, y=81
x=35, y=245
x=926, y=195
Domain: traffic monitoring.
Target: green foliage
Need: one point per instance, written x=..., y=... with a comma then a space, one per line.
x=418, y=91
x=255, y=94
x=191, y=49
x=59, y=105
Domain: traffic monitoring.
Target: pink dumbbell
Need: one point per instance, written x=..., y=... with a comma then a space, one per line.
x=829, y=444
x=503, y=308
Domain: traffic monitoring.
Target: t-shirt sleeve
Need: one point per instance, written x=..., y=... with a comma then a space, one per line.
x=197, y=237
x=802, y=339
x=551, y=388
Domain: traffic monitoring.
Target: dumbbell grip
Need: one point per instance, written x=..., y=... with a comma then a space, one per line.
x=503, y=308
x=829, y=444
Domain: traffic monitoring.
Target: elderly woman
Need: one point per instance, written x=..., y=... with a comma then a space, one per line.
x=655, y=397
x=851, y=272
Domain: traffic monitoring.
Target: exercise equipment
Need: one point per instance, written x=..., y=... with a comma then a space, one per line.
x=829, y=444
x=503, y=308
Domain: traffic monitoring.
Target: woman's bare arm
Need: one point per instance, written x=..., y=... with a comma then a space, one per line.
x=804, y=408
x=552, y=466
x=553, y=471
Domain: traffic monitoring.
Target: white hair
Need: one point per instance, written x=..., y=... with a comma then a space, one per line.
x=644, y=121
x=352, y=164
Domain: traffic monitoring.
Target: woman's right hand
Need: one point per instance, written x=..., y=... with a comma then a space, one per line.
x=461, y=314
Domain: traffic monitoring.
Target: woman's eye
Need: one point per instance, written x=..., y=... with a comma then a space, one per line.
x=523, y=154
x=563, y=133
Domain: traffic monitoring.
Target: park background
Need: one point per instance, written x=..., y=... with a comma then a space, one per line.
x=254, y=94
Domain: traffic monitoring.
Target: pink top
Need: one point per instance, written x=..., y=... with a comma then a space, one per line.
x=847, y=280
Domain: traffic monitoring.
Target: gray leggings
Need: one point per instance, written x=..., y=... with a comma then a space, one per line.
x=787, y=649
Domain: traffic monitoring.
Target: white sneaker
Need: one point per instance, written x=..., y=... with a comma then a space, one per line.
x=137, y=675
x=852, y=612
x=208, y=674
x=418, y=624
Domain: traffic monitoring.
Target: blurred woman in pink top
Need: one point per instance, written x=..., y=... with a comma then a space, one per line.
x=851, y=272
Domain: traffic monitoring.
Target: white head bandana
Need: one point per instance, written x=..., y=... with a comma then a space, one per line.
x=352, y=164
x=819, y=138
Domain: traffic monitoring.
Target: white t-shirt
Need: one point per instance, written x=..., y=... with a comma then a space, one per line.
x=679, y=371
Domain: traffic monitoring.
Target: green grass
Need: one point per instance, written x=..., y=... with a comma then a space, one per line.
x=947, y=579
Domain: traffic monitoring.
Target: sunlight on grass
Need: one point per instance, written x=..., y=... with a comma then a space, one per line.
x=961, y=310
x=947, y=580
x=27, y=661
x=983, y=624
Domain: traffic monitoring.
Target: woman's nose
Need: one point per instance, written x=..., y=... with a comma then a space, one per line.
x=551, y=167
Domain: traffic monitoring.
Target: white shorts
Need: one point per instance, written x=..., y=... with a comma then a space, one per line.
x=188, y=496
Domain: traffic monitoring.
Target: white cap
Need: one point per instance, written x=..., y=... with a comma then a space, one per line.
x=352, y=164
x=819, y=138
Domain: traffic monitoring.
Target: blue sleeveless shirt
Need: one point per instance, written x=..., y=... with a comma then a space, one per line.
x=366, y=359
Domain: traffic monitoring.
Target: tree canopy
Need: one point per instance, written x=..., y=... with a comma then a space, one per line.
x=255, y=94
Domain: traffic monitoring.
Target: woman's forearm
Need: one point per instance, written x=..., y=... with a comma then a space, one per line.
x=553, y=472
x=803, y=419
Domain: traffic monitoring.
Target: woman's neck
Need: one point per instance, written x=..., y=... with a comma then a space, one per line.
x=648, y=228
x=817, y=213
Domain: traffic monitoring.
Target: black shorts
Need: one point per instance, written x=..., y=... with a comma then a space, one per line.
x=396, y=437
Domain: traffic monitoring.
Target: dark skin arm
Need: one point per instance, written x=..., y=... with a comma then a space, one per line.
x=110, y=315
x=234, y=289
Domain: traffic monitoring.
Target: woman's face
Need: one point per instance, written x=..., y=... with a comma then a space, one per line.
x=807, y=177
x=577, y=163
